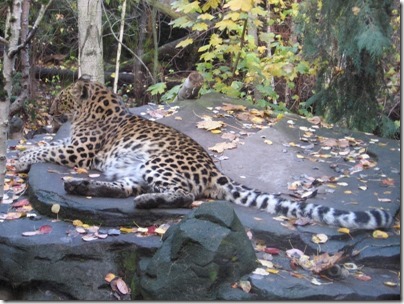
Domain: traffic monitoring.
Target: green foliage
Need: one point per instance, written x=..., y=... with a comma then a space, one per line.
x=351, y=39
x=157, y=88
x=240, y=56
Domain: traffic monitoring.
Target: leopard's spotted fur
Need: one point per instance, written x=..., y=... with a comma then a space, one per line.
x=157, y=164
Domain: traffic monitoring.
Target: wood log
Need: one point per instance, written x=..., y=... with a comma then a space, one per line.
x=69, y=75
x=191, y=86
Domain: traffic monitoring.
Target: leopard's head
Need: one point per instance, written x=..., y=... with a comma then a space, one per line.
x=85, y=99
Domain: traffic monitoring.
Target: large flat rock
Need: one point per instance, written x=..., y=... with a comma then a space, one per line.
x=254, y=163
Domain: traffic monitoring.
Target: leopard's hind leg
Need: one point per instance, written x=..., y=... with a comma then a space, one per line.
x=167, y=189
x=120, y=188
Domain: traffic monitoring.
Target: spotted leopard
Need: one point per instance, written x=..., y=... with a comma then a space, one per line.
x=157, y=164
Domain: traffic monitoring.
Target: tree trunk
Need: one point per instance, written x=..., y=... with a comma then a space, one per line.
x=118, y=53
x=90, y=39
x=12, y=31
x=17, y=105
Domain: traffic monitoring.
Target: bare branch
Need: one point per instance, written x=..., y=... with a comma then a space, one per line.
x=128, y=49
x=31, y=34
x=3, y=41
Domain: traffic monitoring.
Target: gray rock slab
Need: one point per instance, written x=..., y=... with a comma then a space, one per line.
x=30, y=264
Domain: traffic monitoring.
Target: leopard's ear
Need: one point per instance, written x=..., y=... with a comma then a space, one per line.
x=85, y=77
x=80, y=89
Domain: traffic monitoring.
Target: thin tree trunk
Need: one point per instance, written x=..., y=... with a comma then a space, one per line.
x=12, y=32
x=90, y=39
x=17, y=105
x=23, y=47
x=118, y=53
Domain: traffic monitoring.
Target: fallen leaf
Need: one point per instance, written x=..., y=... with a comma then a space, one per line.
x=363, y=277
x=378, y=234
x=162, y=229
x=297, y=275
x=390, y=284
x=109, y=277
x=266, y=263
x=81, y=230
x=30, y=233
x=45, y=229
x=127, y=230
x=344, y=230
x=272, y=250
x=350, y=266
x=122, y=287
x=325, y=261
x=314, y=120
x=55, y=208
x=232, y=107
x=273, y=271
x=387, y=182
x=268, y=142
x=314, y=281
x=80, y=170
x=21, y=203
x=384, y=200
x=319, y=238
x=89, y=237
x=261, y=271
x=220, y=147
x=209, y=124
x=77, y=223
x=245, y=286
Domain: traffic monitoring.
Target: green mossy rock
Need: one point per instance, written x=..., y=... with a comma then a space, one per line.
x=206, y=249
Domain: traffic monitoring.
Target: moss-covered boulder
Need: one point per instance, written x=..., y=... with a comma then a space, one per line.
x=205, y=250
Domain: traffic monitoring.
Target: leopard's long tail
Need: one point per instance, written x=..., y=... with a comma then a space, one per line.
x=241, y=195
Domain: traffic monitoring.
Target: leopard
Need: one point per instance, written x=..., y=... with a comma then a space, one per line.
x=158, y=165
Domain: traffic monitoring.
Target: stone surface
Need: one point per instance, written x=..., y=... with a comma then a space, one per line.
x=60, y=265
x=205, y=250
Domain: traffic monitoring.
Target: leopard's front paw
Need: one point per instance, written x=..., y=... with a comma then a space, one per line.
x=79, y=186
x=21, y=166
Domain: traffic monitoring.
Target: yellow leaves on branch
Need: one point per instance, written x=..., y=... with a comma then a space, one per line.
x=239, y=5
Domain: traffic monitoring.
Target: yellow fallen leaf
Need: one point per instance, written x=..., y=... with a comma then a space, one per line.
x=273, y=271
x=280, y=116
x=216, y=131
x=81, y=170
x=378, y=234
x=220, y=147
x=55, y=208
x=344, y=230
x=209, y=124
x=109, y=277
x=127, y=230
x=257, y=120
x=78, y=223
